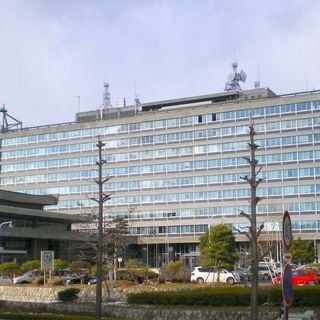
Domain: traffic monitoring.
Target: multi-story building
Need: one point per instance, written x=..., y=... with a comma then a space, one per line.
x=26, y=229
x=175, y=166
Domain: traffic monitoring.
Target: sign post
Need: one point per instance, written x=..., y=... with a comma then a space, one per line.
x=287, y=271
x=47, y=263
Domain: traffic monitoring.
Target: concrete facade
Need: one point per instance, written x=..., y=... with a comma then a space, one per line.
x=176, y=166
x=33, y=228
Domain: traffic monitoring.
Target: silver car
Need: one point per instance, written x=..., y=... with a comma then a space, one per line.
x=27, y=277
x=35, y=274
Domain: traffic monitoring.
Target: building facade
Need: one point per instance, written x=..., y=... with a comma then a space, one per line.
x=26, y=229
x=175, y=166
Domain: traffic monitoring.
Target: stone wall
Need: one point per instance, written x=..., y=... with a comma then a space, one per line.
x=24, y=293
x=44, y=299
x=133, y=312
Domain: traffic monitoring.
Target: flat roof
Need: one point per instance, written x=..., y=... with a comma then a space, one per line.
x=17, y=197
x=19, y=212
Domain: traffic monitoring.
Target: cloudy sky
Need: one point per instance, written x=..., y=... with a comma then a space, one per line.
x=52, y=51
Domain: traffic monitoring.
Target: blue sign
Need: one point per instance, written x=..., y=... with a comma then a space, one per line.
x=287, y=285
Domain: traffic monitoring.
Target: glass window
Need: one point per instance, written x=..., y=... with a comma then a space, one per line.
x=273, y=126
x=288, y=108
x=272, y=110
x=303, y=106
x=289, y=156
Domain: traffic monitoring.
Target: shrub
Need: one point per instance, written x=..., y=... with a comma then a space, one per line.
x=30, y=265
x=9, y=269
x=60, y=264
x=68, y=294
x=304, y=296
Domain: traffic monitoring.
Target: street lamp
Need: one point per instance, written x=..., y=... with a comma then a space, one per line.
x=9, y=223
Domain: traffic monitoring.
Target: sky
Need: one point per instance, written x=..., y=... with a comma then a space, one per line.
x=54, y=51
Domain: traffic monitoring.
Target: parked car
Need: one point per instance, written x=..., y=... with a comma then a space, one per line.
x=201, y=275
x=5, y=280
x=27, y=277
x=244, y=273
x=83, y=278
x=301, y=277
x=35, y=274
x=93, y=280
x=265, y=272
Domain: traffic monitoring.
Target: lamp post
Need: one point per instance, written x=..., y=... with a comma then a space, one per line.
x=9, y=223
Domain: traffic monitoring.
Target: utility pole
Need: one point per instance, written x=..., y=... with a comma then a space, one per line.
x=253, y=232
x=101, y=200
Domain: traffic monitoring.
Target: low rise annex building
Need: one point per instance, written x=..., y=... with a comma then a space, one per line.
x=176, y=166
x=26, y=229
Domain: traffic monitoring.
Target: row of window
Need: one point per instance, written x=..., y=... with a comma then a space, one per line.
x=191, y=150
x=215, y=195
x=217, y=212
x=283, y=175
x=313, y=225
x=276, y=158
x=171, y=137
x=169, y=123
x=296, y=141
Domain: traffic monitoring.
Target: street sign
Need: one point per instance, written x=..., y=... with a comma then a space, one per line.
x=286, y=231
x=287, y=285
x=47, y=260
x=287, y=257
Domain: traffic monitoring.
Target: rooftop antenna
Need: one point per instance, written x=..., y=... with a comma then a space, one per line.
x=8, y=125
x=136, y=99
x=257, y=82
x=106, y=101
x=78, y=98
x=234, y=77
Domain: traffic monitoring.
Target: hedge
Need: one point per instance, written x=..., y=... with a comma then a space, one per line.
x=226, y=296
x=68, y=294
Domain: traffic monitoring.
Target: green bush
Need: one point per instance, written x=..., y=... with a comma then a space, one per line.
x=68, y=294
x=60, y=264
x=9, y=269
x=30, y=265
x=227, y=296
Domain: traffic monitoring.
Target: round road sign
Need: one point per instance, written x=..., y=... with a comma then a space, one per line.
x=286, y=231
x=287, y=285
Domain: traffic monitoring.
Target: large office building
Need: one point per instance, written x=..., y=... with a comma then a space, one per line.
x=175, y=166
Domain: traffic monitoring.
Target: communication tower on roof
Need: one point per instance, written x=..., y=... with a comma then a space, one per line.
x=234, y=77
x=106, y=101
x=9, y=122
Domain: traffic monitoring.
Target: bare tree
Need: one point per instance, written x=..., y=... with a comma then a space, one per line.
x=254, y=232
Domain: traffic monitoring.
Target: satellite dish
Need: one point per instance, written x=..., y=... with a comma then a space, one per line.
x=234, y=77
x=231, y=76
x=243, y=76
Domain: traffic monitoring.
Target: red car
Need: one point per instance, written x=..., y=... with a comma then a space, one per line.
x=301, y=277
